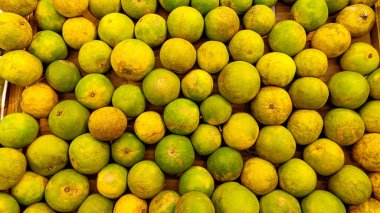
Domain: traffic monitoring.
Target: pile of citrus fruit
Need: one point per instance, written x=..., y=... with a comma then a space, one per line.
x=202, y=106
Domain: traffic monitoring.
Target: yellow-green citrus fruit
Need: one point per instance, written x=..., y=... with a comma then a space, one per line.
x=309, y=93
x=47, y=155
x=212, y=56
x=127, y=150
x=112, y=181
x=225, y=164
x=161, y=87
x=114, y=28
x=271, y=106
x=325, y=156
x=181, y=116
x=66, y=190
x=196, y=178
x=94, y=57
x=107, y=123
x=259, y=176
x=348, y=178
x=132, y=59
x=311, y=63
x=206, y=139
x=235, y=89
x=336, y=5
x=12, y=167
x=30, y=189
x=343, y=126
x=221, y=24
x=130, y=99
x=233, y=192
x=20, y=67
x=297, y=177
x=260, y=19
x=241, y=131
x=130, y=202
x=165, y=201
x=38, y=208
x=333, y=39
x=185, y=22
x=215, y=110
x=149, y=127
x=16, y=32
x=366, y=152
x=71, y=8
x=174, y=154
x=374, y=85
x=367, y=206
x=358, y=19
x=305, y=126
x=311, y=14
x=88, y=155
x=38, y=100
x=8, y=203
x=246, y=45
x=370, y=116
x=48, y=46
x=62, y=75
x=279, y=201
x=96, y=202
x=275, y=144
x=178, y=55
x=287, y=37
x=277, y=69
x=194, y=201
x=48, y=17
x=17, y=130
x=77, y=31
x=366, y=2
x=324, y=201
x=375, y=181
x=240, y=6
x=94, y=91
x=348, y=89
x=204, y=6
x=21, y=7
x=197, y=85
x=137, y=9
x=170, y=5
x=68, y=119
x=100, y=8
x=151, y=29
x=145, y=179
x=268, y=3
x=360, y=57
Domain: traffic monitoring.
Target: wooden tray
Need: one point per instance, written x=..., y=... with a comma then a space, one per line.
x=12, y=103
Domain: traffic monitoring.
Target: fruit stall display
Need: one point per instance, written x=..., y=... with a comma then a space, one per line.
x=178, y=106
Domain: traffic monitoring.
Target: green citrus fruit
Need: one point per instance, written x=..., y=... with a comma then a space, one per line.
x=38, y=208
x=221, y=24
x=225, y=164
x=62, y=75
x=215, y=110
x=246, y=45
x=114, y=28
x=309, y=93
x=30, y=189
x=100, y=8
x=279, y=201
x=212, y=56
x=360, y=57
x=194, y=201
x=94, y=57
x=48, y=17
x=151, y=29
x=127, y=150
x=336, y=5
x=169, y=5
x=164, y=201
x=259, y=18
x=130, y=99
x=240, y=6
x=204, y=6
x=206, y=139
x=322, y=200
x=8, y=203
x=96, y=202
x=112, y=181
x=12, y=167
x=178, y=55
x=305, y=126
x=137, y=9
x=370, y=116
x=373, y=81
x=311, y=14
x=196, y=178
x=197, y=85
x=48, y=46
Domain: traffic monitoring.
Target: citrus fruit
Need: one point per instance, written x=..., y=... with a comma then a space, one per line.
x=164, y=201
x=311, y=63
x=48, y=17
x=366, y=151
x=100, y=8
x=206, y=139
x=48, y=46
x=96, y=202
x=325, y=156
x=204, y=6
x=132, y=59
x=71, y=8
x=149, y=127
x=137, y=9
x=309, y=93
x=260, y=19
x=373, y=81
x=370, y=116
x=358, y=19
x=107, y=123
x=212, y=56
x=279, y=201
x=221, y=24
x=225, y=164
x=62, y=75
x=246, y=45
x=77, y=31
x=127, y=150
x=16, y=32
x=305, y=126
x=197, y=85
x=94, y=91
x=18, y=130
x=174, y=154
x=130, y=99
x=360, y=57
x=323, y=201
x=94, y=57
x=375, y=181
x=151, y=29
x=240, y=6
x=145, y=179
x=22, y=8
x=38, y=100
x=112, y=181
x=297, y=177
x=178, y=55
x=311, y=14
x=369, y=205
x=114, y=28
x=130, y=203
x=335, y=6
x=30, y=189
x=12, y=168
x=169, y=5
x=38, y=208
x=161, y=87
x=215, y=110
x=68, y=119
x=194, y=201
x=366, y=2
x=47, y=155
x=8, y=203
x=88, y=155
x=196, y=178
x=268, y=3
